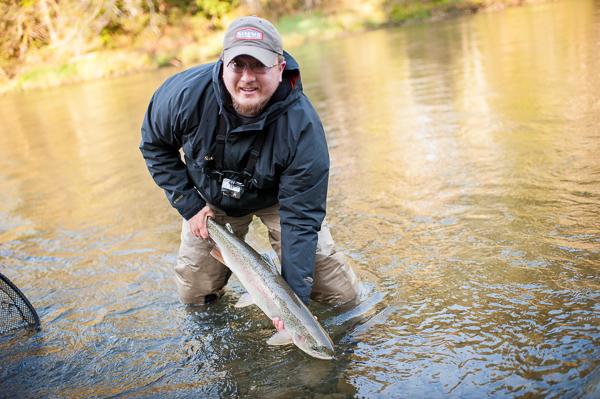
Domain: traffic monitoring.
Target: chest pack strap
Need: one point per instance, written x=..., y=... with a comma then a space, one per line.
x=221, y=137
x=243, y=177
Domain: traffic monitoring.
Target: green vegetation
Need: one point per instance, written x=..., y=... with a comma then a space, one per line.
x=45, y=43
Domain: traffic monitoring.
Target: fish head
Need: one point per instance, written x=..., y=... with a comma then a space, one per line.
x=319, y=348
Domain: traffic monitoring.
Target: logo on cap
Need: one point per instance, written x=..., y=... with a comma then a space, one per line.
x=249, y=34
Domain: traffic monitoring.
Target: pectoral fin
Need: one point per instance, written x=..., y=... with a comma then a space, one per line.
x=245, y=300
x=216, y=253
x=281, y=337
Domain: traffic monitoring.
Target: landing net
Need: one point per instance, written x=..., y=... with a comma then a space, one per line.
x=16, y=311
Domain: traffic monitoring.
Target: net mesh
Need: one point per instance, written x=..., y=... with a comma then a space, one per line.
x=15, y=310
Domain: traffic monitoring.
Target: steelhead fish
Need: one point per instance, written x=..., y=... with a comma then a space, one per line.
x=271, y=293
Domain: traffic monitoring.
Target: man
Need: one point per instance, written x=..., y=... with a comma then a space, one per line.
x=253, y=146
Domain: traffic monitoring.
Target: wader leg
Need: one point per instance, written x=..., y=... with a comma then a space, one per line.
x=270, y=218
x=335, y=281
x=199, y=277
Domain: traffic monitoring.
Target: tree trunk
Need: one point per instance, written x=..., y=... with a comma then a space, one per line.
x=48, y=21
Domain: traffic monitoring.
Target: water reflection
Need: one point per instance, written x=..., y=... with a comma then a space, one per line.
x=467, y=183
x=464, y=187
x=70, y=151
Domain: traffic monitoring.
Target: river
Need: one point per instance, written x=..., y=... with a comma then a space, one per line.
x=465, y=189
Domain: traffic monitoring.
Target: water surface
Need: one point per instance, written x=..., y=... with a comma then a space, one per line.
x=465, y=187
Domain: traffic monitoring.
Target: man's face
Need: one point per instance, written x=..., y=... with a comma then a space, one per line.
x=251, y=91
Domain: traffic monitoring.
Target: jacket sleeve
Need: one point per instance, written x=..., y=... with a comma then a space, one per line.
x=302, y=198
x=164, y=125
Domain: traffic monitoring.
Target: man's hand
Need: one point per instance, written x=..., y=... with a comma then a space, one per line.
x=278, y=324
x=198, y=222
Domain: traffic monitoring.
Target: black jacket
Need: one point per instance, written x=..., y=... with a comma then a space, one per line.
x=292, y=169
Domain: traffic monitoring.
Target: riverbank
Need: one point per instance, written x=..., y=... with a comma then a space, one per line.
x=45, y=69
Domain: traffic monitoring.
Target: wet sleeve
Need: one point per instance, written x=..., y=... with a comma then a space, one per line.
x=302, y=198
x=164, y=124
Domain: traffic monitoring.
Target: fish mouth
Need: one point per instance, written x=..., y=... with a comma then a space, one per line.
x=324, y=353
x=315, y=349
x=321, y=355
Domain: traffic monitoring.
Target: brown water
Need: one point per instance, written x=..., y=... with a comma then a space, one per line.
x=465, y=187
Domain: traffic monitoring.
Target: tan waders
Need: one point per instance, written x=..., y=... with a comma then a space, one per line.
x=200, y=278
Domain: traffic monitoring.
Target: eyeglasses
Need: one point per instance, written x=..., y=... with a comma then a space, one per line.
x=240, y=67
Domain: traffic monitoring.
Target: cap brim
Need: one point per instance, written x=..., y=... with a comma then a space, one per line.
x=267, y=57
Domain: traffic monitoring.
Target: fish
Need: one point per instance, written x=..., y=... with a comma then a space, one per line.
x=269, y=291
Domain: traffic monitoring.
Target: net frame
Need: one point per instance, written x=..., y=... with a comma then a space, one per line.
x=15, y=309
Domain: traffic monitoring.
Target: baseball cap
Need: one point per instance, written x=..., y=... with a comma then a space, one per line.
x=252, y=36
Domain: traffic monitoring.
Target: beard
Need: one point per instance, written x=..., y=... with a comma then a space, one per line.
x=249, y=109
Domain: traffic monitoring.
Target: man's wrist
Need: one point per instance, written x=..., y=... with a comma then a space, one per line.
x=187, y=215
